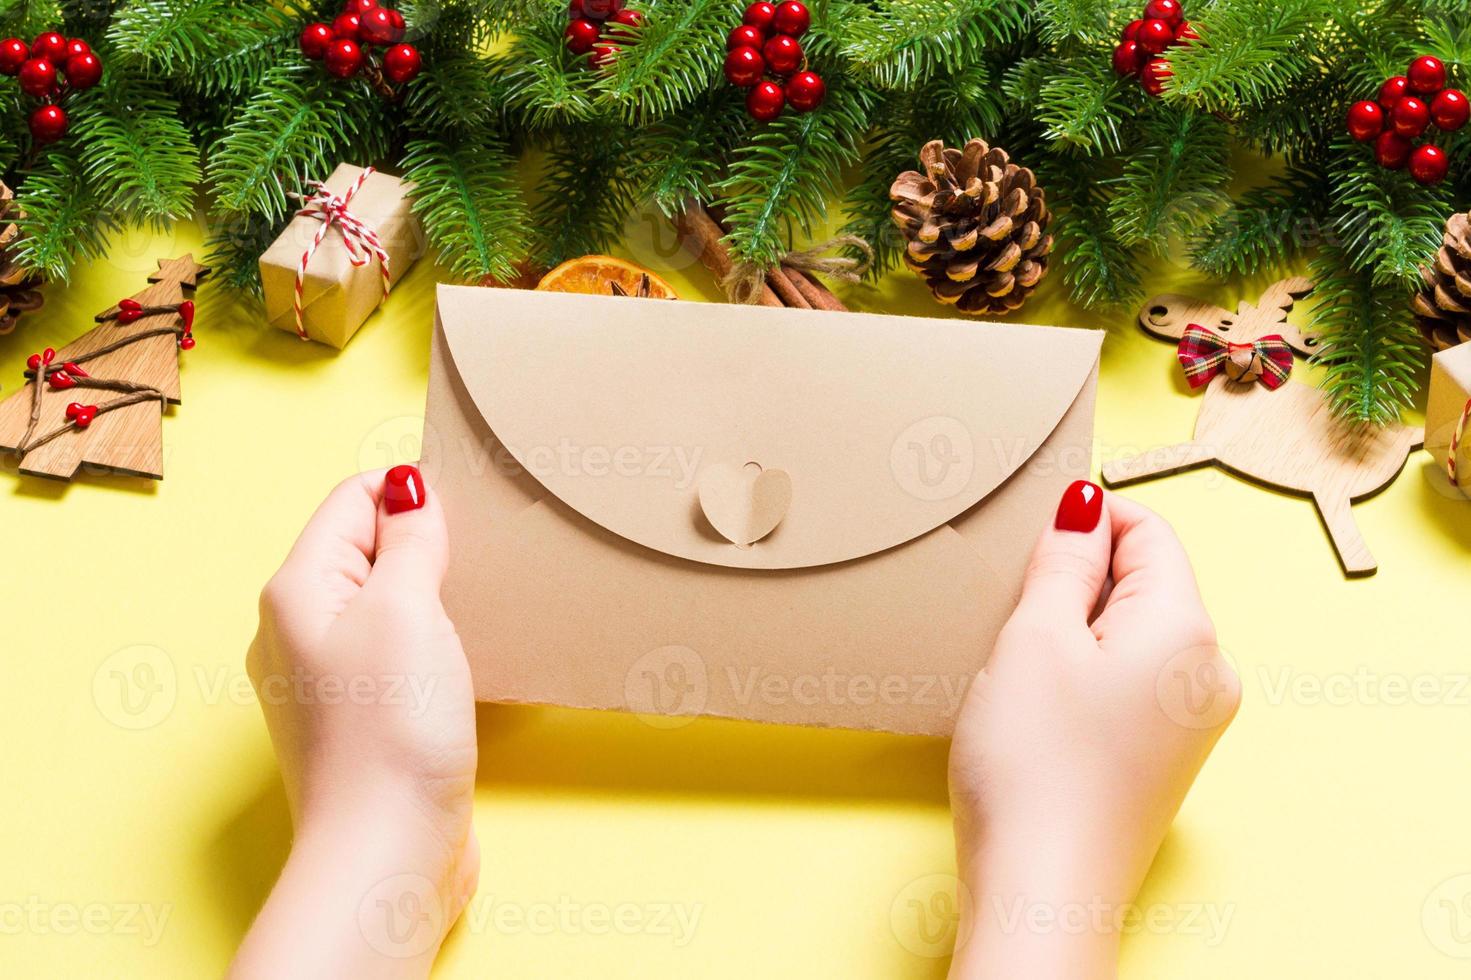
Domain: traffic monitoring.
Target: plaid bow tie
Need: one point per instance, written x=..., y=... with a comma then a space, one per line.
x=1204, y=354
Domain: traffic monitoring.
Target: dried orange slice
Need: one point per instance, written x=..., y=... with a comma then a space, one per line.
x=604, y=275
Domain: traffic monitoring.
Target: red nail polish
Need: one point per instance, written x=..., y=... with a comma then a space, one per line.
x=403, y=489
x=1082, y=505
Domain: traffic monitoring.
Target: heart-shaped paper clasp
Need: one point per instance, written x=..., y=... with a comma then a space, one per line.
x=744, y=503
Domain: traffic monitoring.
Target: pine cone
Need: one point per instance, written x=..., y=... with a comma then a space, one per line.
x=976, y=225
x=1443, y=307
x=18, y=288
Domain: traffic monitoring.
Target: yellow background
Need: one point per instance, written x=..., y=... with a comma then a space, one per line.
x=1331, y=829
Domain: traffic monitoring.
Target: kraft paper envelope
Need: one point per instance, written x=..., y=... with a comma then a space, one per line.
x=587, y=448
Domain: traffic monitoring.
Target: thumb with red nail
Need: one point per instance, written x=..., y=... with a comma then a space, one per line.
x=1079, y=740
x=368, y=700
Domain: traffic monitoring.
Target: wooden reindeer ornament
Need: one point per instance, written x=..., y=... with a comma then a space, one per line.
x=1257, y=423
x=100, y=400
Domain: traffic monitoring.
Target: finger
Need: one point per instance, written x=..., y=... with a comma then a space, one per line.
x=1070, y=562
x=1152, y=574
x=413, y=546
x=339, y=538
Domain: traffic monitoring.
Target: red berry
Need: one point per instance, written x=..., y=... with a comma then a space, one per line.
x=48, y=123
x=744, y=67
x=1131, y=32
x=347, y=26
x=783, y=54
x=399, y=24
x=1167, y=10
x=1426, y=75
x=792, y=18
x=627, y=17
x=1156, y=35
x=83, y=70
x=745, y=36
x=1154, y=75
x=401, y=63
x=1392, y=150
x=314, y=40
x=805, y=91
x=1365, y=121
x=1393, y=90
x=13, y=54
x=575, y=9
x=1429, y=164
x=1186, y=33
x=76, y=46
x=765, y=101
x=38, y=77
x=344, y=58
x=375, y=26
x=359, y=6
x=599, y=9
x=603, y=55
x=1410, y=116
x=760, y=15
x=1128, y=58
x=51, y=46
x=1450, y=110
x=581, y=36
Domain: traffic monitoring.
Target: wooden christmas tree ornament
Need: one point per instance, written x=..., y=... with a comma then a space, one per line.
x=99, y=401
x=1258, y=423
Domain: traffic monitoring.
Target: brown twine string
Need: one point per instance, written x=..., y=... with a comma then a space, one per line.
x=134, y=392
x=744, y=281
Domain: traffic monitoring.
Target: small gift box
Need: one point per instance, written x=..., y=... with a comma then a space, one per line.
x=1448, y=415
x=353, y=238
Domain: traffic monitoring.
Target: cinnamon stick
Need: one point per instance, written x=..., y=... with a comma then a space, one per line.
x=702, y=232
x=785, y=285
x=814, y=292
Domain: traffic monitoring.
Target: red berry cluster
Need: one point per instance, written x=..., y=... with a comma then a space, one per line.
x=49, y=69
x=1162, y=27
x=765, y=42
x=345, y=47
x=595, y=24
x=1407, y=105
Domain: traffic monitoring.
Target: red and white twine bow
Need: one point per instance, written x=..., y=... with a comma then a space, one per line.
x=1455, y=447
x=361, y=241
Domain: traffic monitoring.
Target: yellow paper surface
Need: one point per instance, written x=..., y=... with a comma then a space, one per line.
x=1330, y=826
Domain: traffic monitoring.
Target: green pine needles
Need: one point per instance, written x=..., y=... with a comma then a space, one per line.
x=521, y=151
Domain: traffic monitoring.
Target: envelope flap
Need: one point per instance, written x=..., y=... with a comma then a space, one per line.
x=887, y=426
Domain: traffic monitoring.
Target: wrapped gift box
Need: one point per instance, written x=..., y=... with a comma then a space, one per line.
x=1450, y=388
x=338, y=296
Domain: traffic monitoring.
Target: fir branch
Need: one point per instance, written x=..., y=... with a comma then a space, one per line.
x=1248, y=52
x=664, y=64
x=889, y=153
x=139, y=158
x=234, y=246
x=62, y=220
x=1099, y=269
x=1369, y=343
x=681, y=157
x=467, y=195
x=584, y=198
x=1386, y=223
x=1172, y=182
x=1269, y=226
x=901, y=43
x=209, y=46
x=456, y=90
x=298, y=127
x=546, y=84
x=1084, y=105
x=27, y=18
x=1088, y=21
x=787, y=173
